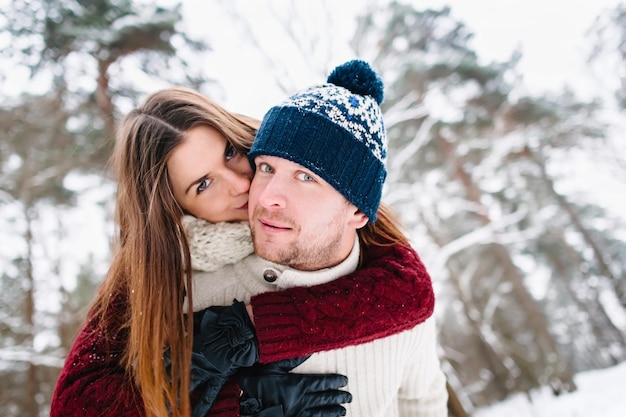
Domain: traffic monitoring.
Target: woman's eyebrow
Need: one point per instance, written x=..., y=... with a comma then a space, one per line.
x=198, y=181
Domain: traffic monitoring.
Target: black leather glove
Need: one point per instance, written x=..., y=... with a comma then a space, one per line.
x=224, y=341
x=271, y=391
x=205, y=383
x=226, y=338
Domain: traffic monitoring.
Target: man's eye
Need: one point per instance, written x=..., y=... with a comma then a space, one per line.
x=203, y=186
x=303, y=176
x=263, y=167
x=230, y=152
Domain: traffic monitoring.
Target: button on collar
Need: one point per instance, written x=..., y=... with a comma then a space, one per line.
x=270, y=275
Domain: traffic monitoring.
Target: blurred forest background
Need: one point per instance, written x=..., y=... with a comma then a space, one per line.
x=529, y=267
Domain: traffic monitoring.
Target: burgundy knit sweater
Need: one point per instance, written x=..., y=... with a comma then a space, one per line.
x=392, y=292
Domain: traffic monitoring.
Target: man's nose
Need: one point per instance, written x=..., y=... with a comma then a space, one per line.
x=273, y=194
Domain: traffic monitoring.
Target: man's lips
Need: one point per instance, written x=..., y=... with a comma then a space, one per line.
x=244, y=207
x=273, y=225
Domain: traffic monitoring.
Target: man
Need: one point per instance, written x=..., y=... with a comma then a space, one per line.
x=313, y=202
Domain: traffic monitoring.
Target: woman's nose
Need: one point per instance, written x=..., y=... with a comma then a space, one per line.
x=239, y=182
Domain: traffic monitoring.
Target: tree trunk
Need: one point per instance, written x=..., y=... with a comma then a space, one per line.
x=31, y=407
x=565, y=206
x=103, y=99
x=602, y=326
x=489, y=356
x=562, y=375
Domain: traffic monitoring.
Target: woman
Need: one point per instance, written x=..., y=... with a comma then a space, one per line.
x=116, y=364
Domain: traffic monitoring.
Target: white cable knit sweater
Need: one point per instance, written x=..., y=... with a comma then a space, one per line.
x=396, y=376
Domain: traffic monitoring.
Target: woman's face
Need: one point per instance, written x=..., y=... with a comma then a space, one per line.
x=209, y=178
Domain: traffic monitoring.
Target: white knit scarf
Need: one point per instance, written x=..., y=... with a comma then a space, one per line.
x=214, y=245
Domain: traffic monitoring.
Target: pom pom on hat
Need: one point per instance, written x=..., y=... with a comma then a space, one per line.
x=336, y=130
x=358, y=77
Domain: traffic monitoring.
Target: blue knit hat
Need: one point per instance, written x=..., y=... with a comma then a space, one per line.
x=336, y=130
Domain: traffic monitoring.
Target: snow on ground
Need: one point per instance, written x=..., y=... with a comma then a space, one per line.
x=601, y=393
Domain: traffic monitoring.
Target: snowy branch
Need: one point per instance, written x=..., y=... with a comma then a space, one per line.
x=484, y=235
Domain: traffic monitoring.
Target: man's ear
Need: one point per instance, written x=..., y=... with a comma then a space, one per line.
x=358, y=220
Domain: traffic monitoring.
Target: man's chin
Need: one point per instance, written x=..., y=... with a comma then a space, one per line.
x=268, y=255
x=277, y=255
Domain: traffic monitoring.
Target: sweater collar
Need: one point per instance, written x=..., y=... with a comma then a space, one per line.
x=281, y=276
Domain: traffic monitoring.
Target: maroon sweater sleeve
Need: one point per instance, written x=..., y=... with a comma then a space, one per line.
x=390, y=293
x=93, y=382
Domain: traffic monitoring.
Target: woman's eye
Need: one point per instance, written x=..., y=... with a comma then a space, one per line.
x=203, y=186
x=303, y=176
x=230, y=152
x=263, y=167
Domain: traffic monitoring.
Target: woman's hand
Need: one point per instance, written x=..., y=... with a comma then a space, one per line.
x=226, y=338
x=224, y=341
x=272, y=391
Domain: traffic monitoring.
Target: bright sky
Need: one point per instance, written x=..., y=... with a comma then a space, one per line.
x=551, y=33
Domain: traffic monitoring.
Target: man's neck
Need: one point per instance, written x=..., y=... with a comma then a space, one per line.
x=290, y=277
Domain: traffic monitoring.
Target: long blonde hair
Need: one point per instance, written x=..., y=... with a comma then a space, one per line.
x=143, y=293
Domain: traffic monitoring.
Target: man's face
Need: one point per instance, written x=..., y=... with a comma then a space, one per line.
x=298, y=219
